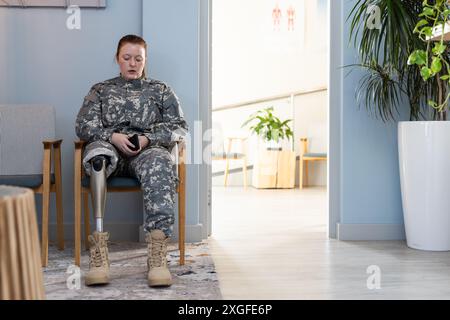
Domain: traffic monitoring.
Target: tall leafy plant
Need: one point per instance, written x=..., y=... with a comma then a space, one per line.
x=384, y=51
x=433, y=62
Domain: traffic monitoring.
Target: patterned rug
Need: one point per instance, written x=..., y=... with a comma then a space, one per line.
x=196, y=280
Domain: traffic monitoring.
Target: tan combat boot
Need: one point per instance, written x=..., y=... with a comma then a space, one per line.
x=158, y=273
x=98, y=260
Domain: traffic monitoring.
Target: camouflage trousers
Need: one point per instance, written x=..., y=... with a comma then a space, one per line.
x=155, y=170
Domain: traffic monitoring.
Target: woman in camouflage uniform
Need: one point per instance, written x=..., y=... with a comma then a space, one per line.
x=113, y=111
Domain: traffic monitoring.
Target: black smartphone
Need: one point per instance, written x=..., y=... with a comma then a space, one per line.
x=134, y=139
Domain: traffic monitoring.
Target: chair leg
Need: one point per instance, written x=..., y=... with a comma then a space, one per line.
x=45, y=205
x=44, y=240
x=230, y=142
x=77, y=236
x=306, y=173
x=77, y=205
x=59, y=220
x=227, y=167
x=300, y=177
x=87, y=224
x=244, y=171
x=59, y=200
x=182, y=213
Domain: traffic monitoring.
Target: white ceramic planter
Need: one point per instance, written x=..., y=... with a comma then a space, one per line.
x=424, y=158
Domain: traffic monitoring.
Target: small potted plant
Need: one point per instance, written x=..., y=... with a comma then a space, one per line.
x=273, y=167
x=269, y=127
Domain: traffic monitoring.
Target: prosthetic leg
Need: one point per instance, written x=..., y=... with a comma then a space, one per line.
x=98, y=262
x=98, y=190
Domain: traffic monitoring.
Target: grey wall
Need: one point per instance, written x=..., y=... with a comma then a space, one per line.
x=172, y=29
x=41, y=61
x=44, y=62
x=5, y=68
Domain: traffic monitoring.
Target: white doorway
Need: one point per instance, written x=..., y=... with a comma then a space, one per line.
x=267, y=53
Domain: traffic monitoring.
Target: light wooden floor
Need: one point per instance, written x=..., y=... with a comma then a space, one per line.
x=272, y=244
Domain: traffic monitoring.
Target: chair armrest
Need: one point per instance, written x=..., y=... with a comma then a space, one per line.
x=181, y=143
x=79, y=144
x=303, y=145
x=180, y=152
x=78, y=170
x=54, y=143
x=180, y=157
x=230, y=139
x=47, y=160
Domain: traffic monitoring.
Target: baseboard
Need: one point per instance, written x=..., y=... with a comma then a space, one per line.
x=132, y=232
x=347, y=231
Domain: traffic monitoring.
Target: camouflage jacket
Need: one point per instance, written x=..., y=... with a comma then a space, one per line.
x=145, y=106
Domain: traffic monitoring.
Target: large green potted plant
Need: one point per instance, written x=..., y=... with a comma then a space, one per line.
x=404, y=62
x=269, y=127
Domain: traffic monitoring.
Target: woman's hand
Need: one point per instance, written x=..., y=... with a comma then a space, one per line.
x=143, y=142
x=123, y=144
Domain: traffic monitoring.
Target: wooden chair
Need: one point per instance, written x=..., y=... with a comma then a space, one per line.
x=228, y=156
x=123, y=184
x=306, y=157
x=29, y=131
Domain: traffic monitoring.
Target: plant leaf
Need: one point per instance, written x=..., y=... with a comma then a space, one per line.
x=436, y=65
x=439, y=48
x=417, y=57
x=426, y=73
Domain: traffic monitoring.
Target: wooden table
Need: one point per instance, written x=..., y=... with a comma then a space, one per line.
x=21, y=275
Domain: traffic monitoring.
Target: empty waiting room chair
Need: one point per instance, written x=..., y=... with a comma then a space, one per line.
x=30, y=157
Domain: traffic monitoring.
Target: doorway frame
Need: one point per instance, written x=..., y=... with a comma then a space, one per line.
x=205, y=111
x=335, y=108
x=335, y=96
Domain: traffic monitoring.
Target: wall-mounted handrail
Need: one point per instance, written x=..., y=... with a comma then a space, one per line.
x=267, y=99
